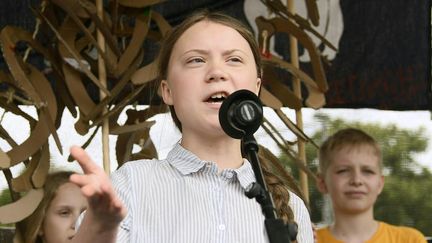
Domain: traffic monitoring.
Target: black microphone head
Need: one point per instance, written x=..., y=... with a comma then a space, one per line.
x=241, y=114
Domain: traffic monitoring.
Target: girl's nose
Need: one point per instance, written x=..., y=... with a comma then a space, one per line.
x=216, y=73
x=76, y=221
x=73, y=223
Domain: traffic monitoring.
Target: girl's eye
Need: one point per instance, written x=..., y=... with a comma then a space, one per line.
x=195, y=60
x=235, y=59
x=64, y=213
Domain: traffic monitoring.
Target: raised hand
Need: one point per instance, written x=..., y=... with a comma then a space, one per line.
x=105, y=208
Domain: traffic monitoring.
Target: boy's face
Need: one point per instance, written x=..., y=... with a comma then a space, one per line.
x=353, y=180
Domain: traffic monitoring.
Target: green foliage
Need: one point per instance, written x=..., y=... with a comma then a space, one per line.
x=405, y=199
x=5, y=197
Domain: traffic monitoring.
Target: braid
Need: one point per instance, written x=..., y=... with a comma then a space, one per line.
x=280, y=195
x=276, y=186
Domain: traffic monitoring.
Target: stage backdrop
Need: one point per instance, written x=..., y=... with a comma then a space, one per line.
x=384, y=47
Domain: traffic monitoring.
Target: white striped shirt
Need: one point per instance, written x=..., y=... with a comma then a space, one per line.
x=183, y=199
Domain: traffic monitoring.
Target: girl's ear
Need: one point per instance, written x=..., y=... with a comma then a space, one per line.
x=166, y=92
x=258, y=85
x=322, y=187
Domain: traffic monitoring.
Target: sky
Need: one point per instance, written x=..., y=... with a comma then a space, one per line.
x=165, y=135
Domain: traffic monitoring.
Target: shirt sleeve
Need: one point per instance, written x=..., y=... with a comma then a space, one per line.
x=302, y=218
x=121, y=182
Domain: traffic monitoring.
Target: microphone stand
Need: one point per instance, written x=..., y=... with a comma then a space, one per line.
x=277, y=230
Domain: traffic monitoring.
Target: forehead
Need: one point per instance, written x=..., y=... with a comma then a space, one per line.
x=207, y=34
x=361, y=154
x=66, y=192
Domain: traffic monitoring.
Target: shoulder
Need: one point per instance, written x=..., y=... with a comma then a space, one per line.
x=136, y=170
x=134, y=178
x=323, y=234
x=139, y=166
x=302, y=218
x=408, y=234
x=297, y=205
x=295, y=199
x=322, y=230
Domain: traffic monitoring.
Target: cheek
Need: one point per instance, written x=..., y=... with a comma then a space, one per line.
x=181, y=86
x=56, y=222
x=335, y=185
x=52, y=228
x=378, y=187
x=249, y=78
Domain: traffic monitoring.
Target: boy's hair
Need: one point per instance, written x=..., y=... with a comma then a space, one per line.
x=346, y=138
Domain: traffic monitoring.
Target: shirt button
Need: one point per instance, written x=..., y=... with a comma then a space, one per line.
x=222, y=227
x=229, y=175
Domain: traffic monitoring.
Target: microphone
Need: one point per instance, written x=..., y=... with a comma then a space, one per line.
x=241, y=114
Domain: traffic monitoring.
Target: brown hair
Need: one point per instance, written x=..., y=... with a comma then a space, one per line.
x=203, y=15
x=276, y=186
x=32, y=224
x=346, y=138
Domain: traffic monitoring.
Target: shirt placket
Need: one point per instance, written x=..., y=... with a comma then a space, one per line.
x=220, y=212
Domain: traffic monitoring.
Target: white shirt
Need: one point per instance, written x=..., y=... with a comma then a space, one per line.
x=183, y=199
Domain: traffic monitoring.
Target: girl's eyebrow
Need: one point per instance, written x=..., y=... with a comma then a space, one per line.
x=63, y=206
x=202, y=51
x=228, y=52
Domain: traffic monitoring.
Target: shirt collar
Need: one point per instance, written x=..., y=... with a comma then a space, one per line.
x=184, y=161
x=245, y=174
x=187, y=163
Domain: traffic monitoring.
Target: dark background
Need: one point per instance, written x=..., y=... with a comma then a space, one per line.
x=384, y=56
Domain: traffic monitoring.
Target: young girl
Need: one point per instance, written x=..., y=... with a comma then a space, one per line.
x=196, y=194
x=351, y=173
x=54, y=219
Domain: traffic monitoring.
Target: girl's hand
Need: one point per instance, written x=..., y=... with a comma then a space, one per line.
x=105, y=208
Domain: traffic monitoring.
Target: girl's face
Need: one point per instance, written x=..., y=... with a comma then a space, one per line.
x=353, y=180
x=208, y=62
x=59, y=222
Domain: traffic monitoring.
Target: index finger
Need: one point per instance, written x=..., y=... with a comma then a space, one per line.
x=84, y=160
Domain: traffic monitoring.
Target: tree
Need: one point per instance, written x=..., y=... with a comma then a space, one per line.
x=405, y=199
x=5, y=198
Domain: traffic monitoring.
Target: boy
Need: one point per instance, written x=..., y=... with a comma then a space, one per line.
x=351, y=173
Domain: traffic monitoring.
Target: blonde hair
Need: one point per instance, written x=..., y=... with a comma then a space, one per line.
x=32, y=225
x=346, y=138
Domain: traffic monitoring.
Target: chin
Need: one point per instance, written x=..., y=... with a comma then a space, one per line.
x=356, y=209
x=215, y=127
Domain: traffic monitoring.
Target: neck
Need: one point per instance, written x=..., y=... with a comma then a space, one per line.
x=224, y=151
x=351, y=228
